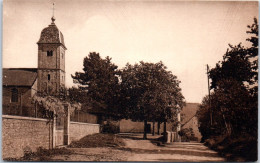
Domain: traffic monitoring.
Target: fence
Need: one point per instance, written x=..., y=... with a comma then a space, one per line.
x=39, y=112
x=82, y=116
x=36, y=112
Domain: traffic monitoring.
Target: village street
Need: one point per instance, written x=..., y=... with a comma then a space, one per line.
x=136, y=149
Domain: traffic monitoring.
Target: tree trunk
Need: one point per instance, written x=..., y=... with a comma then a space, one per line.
x=158, y=127
x=101, y=122
x=228, y=125
x=145, y=125
x=164, y=131
x=153, y=128
x=35, y=109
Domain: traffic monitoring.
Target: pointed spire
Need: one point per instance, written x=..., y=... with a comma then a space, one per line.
x=53, y=18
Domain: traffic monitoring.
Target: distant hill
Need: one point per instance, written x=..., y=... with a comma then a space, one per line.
x=189, y=111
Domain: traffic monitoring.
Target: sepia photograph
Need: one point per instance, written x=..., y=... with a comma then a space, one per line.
x=129, y=80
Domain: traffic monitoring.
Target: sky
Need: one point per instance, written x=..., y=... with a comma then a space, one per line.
x=185, y=36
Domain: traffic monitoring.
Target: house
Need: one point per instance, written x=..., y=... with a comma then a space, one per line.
x=19, y=86
x=189, y=119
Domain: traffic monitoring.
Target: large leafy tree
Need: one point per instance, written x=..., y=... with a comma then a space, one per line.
x=234, y=84
x=150, y=93
x=239, y=63
x=235, y=65
x=252, y=52
x=99, y=83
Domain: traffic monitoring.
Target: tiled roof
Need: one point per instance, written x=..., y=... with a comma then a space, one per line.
x=51, y=34
x=189, y=111
x=19, y=76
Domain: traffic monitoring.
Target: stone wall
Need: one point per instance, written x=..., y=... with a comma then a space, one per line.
x=78, y=130
x=131, y=126
x=21, y=134
x=128, y=126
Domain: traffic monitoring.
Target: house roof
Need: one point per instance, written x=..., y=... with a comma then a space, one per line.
x=19, y=76
x=189, y=111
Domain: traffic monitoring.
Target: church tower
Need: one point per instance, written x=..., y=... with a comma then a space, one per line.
x=51, y=60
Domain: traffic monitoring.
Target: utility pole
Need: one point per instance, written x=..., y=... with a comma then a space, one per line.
x=209, y=96
x=21, y=103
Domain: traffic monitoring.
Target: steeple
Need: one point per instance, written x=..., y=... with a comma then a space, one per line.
x=53, y=18
x=51, y=59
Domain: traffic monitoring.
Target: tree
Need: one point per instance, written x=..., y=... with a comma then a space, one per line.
x=234, y=97
x=235, y=65
x=150, y=93
x=100, y=84
x=253, y=55
x=239, y=62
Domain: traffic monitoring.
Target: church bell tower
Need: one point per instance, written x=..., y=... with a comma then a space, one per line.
x=51, y=60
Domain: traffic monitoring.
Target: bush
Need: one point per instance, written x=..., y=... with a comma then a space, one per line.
x=110, y=127
x=242, y=148
x=187, y=135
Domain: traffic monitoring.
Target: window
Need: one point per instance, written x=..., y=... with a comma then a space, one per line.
x=62, y=55
x=49, y=53
x=49, y=77
x=14, y=97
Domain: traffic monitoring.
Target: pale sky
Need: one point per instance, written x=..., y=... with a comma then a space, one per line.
x=185, y=36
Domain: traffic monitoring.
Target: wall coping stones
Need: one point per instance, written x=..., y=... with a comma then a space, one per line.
x=23, y=118
x=81, y=123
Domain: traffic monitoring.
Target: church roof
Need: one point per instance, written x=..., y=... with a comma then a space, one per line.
x=19, y=76
x=51, y=34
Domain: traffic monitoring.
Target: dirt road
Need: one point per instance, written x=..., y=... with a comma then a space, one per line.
x=145, y=150
x=136, y=149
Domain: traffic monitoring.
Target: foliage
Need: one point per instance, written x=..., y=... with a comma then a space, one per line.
x=111, y=127
x=235, y=65
x=78, y=95
x=150, y=92
x=55, y=104
x=98, y=83
x=239, y=63
x=187, y=134
x=242, y=149
x=234, y=82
